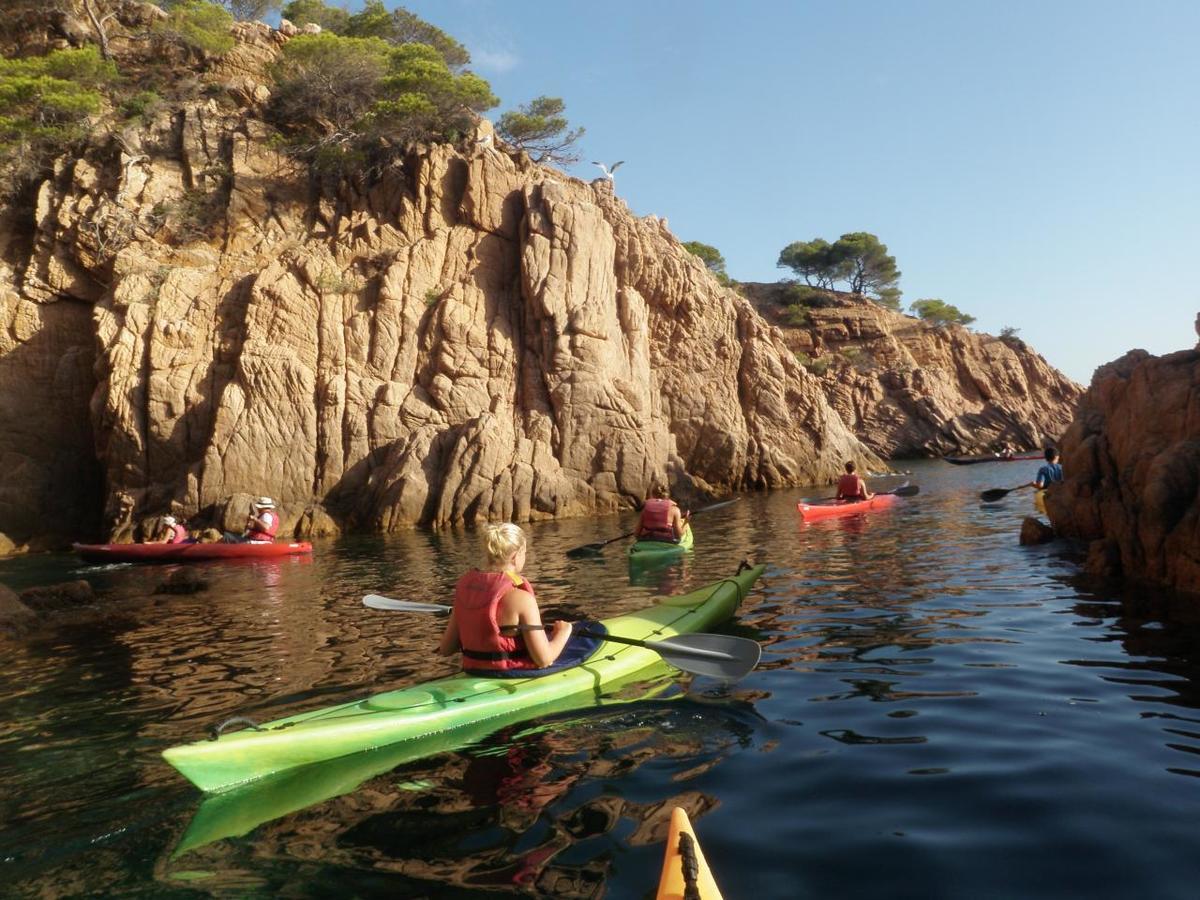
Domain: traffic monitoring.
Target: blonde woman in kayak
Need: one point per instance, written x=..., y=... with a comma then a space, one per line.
x=489, y=606
x=851, y=487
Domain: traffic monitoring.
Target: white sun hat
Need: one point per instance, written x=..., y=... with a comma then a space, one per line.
x=264, y=503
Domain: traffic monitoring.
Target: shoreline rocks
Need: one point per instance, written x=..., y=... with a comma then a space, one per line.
x=1132, y=463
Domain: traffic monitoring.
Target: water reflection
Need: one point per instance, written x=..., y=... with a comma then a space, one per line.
x=970, y=715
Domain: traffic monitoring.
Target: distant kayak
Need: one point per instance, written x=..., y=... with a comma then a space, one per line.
x=975, y=460
x=811, y=512
x=651, y=551
x=685, y=872
x=149, y=553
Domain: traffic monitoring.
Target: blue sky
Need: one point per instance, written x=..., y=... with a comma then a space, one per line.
x=1033, y=163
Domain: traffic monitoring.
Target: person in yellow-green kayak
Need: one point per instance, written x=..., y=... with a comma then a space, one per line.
x=851, y=488
x=496, y=623
x=1051, y=472
x=661, y=517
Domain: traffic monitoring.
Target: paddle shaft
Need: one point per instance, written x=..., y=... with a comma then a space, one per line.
x=634, y=642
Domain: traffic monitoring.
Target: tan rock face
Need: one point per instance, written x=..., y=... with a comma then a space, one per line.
x=471, y=337
x=907, y=388
x=1132, y=464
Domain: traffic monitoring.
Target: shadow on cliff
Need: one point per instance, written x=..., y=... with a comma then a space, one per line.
x=52, y=485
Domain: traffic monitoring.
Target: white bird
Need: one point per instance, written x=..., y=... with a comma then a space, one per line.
x=608, y=170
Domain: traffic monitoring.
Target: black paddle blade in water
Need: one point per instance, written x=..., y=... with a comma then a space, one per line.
x=906, y=490
x=994, y=494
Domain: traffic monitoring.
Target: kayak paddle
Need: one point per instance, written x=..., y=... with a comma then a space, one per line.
x=589, y=549
x=997, y=493
x=715, y=655
x=905, y=490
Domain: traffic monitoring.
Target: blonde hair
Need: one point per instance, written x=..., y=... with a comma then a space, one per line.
x=502, y=541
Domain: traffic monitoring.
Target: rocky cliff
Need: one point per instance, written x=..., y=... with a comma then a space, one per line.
x=190, y=316
x=908, y=388
x=1132, y=464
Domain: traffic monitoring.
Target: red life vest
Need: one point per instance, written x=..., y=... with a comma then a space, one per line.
x=266, y=536
x=656, y=520
x=477, y=599
x=851, y=487
x=178, y=534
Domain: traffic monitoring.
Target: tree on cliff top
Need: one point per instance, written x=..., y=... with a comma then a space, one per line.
x=939, y=313
x=711, y=257
x=341, y=96
x=859, y=259
x=541, y=130
x=250, y=10
x=333, y=19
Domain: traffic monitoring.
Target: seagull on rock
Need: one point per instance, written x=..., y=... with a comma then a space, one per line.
x=608, y=170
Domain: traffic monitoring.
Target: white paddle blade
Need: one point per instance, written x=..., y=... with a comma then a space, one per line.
x=715, y=655
x=375, y=601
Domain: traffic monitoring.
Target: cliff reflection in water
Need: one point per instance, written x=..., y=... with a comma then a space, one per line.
x=506, y=814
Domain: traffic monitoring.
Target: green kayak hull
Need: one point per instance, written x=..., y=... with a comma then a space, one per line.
x=449, y=712
x=650, y=551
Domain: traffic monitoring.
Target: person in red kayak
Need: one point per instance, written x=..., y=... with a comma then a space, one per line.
x=489, y=607
x=169, y=532
x=851, y=488
x=261, y=524
x=661, y=519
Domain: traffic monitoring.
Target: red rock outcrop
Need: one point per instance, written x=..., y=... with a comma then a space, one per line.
x=1132, y=464
x=469, y=336
x=908, y=388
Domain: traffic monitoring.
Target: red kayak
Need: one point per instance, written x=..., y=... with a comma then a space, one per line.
x=811, y=512
x=975, y=460
x=111, y=553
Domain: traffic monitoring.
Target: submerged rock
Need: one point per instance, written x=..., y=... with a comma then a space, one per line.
x=1035, y=531
x=15, y=616
x=67, y=595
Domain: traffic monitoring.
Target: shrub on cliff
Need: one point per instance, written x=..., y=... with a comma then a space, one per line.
x=341, y=98
x=46, y=103
x=541, y=130
x=939, y=313
x=197, y=25
x=804, y=295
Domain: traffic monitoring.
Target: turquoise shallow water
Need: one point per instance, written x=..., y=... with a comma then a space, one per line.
x=939, y=713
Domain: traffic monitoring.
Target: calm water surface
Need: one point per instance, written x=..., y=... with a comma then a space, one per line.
x=939, y=713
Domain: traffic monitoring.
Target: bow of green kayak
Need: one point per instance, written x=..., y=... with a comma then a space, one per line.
x=645, y=551
x=459, y=708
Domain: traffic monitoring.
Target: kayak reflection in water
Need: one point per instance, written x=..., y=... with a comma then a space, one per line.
x=851, y=488
x=496, y=622
x=661, y=519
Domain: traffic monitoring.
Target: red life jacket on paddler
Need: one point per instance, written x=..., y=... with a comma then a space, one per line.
x=656, y=520
x=477, y=599
x=271, y=517
x=851, y=487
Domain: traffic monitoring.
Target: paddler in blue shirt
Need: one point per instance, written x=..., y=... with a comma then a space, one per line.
x=1048, y=474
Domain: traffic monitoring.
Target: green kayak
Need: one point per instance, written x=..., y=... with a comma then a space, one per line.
x=652, y=551
x=459, y=704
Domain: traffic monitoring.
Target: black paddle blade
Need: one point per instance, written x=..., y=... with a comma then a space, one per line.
x=585, y=550
x=907, y=490
x=995, y=494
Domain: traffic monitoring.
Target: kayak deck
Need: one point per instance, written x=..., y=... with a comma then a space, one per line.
x=643, y=550
x=811, y=512
x=459, y=702
x=684, y=865
x=111, y=553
